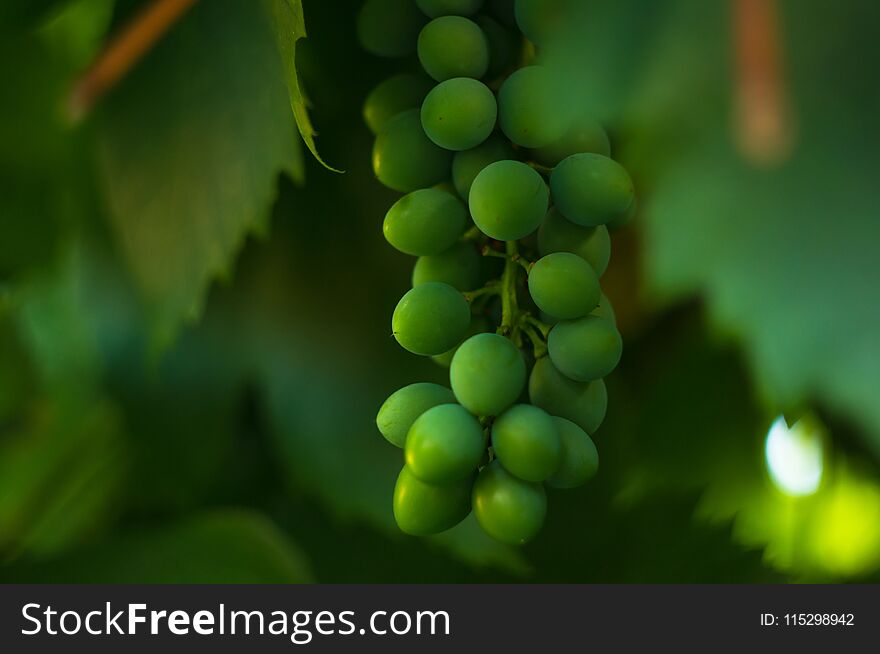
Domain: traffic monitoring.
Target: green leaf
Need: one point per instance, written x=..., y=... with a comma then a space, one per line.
x=218, y=546
x=289, y=26
x=190, y=146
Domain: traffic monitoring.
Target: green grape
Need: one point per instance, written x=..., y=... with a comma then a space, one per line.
x=530, y=110
x=403, y=406
x=422, y=509
x=459, y=266
x=508, y=509
x=584, y=403
x=590, y=189
x=564, y=285
x=558, y=234
x=508, y=200
x=452, y=46
x=584, y=349
x=459, y=114
x=502, y=45
x=389, y=28
x=444, y=444
x=435, y=8
x=479, y=324
x=540, y=20
x=580, y=460
x=404, y=158
x=624, y=219
x=605, y=310
x=526, y=441
x=430, y=318
x=393, y=96
x=467, y=165
x=487, y=374
x=424, y=222
x=584, y=135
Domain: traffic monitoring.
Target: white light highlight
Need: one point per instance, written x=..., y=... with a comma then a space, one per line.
x=794, y=456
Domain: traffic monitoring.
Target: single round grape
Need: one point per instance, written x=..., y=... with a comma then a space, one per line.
x=624, y=219
x=404, y=158
x=430, y=318
x=508, y=200
x=444, y=444
x=605, y=310
x=467, y=165
x=459, y=114
x=564, y=285
x=459, y=266
x=580, y=460
x=452, y=46
x=502, y=45
x=424, y=222
x=435, y=8
x=526, y=441
x=479, y=324
x=389, y=28
x=540, y=20
x=393, y=96
x=421, y=509
x=403, y=406
x=584, y=135
x=590, y=189
x=584, y=403
x=487, y=374
x=510, y=510
x=558, y=234
x=584, y=349
x=530, y=110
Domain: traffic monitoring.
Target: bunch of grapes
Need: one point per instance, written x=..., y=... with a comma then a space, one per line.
x=507, y=197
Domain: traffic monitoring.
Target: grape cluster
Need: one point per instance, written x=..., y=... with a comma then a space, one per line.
x=508, y=193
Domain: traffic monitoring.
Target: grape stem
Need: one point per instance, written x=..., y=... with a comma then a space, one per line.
x=538, y=343
x=509, y=304
x=492, y=288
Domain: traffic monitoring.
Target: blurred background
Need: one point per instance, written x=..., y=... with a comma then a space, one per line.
x=195, y=313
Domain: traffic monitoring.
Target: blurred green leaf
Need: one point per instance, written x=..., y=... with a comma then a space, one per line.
x=219, y=546
x=190, y=147
x=290, y=27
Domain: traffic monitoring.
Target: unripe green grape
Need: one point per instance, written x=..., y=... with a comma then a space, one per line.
x=526, y=441
x=624, y=219
x=510, y=510
x=389, y=28
x=444, y=444
x=584, y=349
x=508, y=200
x=422, y=509
x=435, y=8
x=502, y=45
x=404, y=158
x=564, y=285
x=479, y=324
x=558, y=234
x=430, y=318
x=584, y=403
x=393, y=96
x=403, y=406
x=530, y=110
x=425, y=222
x=583, y=135
x=580, y=460
x=459, y=266
x=590, y=189
x=466, y=165
x=459, y=114
x=605, y=310
x=487, y=374
x=452, y=46
x=540, y=20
